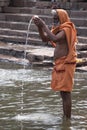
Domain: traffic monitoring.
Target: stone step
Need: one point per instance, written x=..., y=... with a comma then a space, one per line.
x=26, y=10
x=24, y=26
x=32, y=52
x=79, y=22
x=65, y=5
x=49, y=4
x=15, y=25
x=22, y=17
x=26, y=18
x=2, y=17
x=14, y=60
x=80, y=5
x=4, y=3
x=81, y=47
x=40, y=55
x=11, y=61
x=33, y=38
x=82, y=54
x=82, y=69
x=78, y=13
x=81, y=31
x=23, y=3
x=22, y=40
x=36, y=11
x=32, y=33
x=12, y=50
x=22, y=33
x=20, y=48
x=82, y=39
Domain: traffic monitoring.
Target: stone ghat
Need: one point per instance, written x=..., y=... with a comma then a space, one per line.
x=14, y=21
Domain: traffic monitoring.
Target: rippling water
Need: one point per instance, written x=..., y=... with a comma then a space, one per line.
x=28, y=103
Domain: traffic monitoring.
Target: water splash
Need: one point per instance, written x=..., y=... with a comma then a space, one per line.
x=46, y=118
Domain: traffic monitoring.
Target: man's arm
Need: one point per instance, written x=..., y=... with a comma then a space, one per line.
x=52, y=37
x=43, y=35
x=45, y=32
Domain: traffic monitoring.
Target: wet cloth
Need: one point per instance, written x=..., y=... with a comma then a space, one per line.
x=64, y=68
x=62, y=75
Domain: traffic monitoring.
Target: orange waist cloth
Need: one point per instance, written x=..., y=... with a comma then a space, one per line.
x=63, y=75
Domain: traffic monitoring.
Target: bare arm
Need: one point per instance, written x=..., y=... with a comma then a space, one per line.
x=43, y=35
x=52, y=37
x=45, y=32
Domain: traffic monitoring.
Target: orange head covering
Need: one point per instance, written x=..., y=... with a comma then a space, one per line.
x=63, y=16
x=64, y=22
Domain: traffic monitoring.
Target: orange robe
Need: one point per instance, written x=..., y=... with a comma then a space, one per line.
x=64, y=68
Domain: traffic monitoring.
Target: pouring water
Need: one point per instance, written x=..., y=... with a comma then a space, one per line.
x=24, y=65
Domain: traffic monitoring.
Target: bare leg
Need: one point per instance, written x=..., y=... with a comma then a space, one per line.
x=67, y=103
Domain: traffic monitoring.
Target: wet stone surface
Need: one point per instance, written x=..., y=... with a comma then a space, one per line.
x=35, y=55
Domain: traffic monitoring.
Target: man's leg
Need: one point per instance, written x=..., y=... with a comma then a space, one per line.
x=67, y=103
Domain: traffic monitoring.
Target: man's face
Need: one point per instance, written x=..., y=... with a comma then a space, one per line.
x=56, y=20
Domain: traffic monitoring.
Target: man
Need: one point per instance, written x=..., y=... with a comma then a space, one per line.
x=63, y=38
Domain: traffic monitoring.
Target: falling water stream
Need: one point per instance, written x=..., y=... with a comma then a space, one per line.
x=26, y=42
x=24, y=66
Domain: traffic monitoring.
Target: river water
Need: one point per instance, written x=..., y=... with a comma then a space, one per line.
x=28, y=103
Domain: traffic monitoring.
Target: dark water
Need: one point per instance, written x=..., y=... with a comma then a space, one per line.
x=28, y=103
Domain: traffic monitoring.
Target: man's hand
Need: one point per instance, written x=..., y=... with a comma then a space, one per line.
x=38, y=22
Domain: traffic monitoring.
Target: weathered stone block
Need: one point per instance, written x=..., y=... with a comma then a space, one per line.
x=22, y=3
x=34, y=58
x=0, y=9
x=4, y=3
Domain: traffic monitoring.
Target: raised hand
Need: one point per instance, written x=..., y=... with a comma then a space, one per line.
x=38, y=21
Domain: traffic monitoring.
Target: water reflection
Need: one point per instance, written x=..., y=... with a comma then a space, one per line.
x=36, y=106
